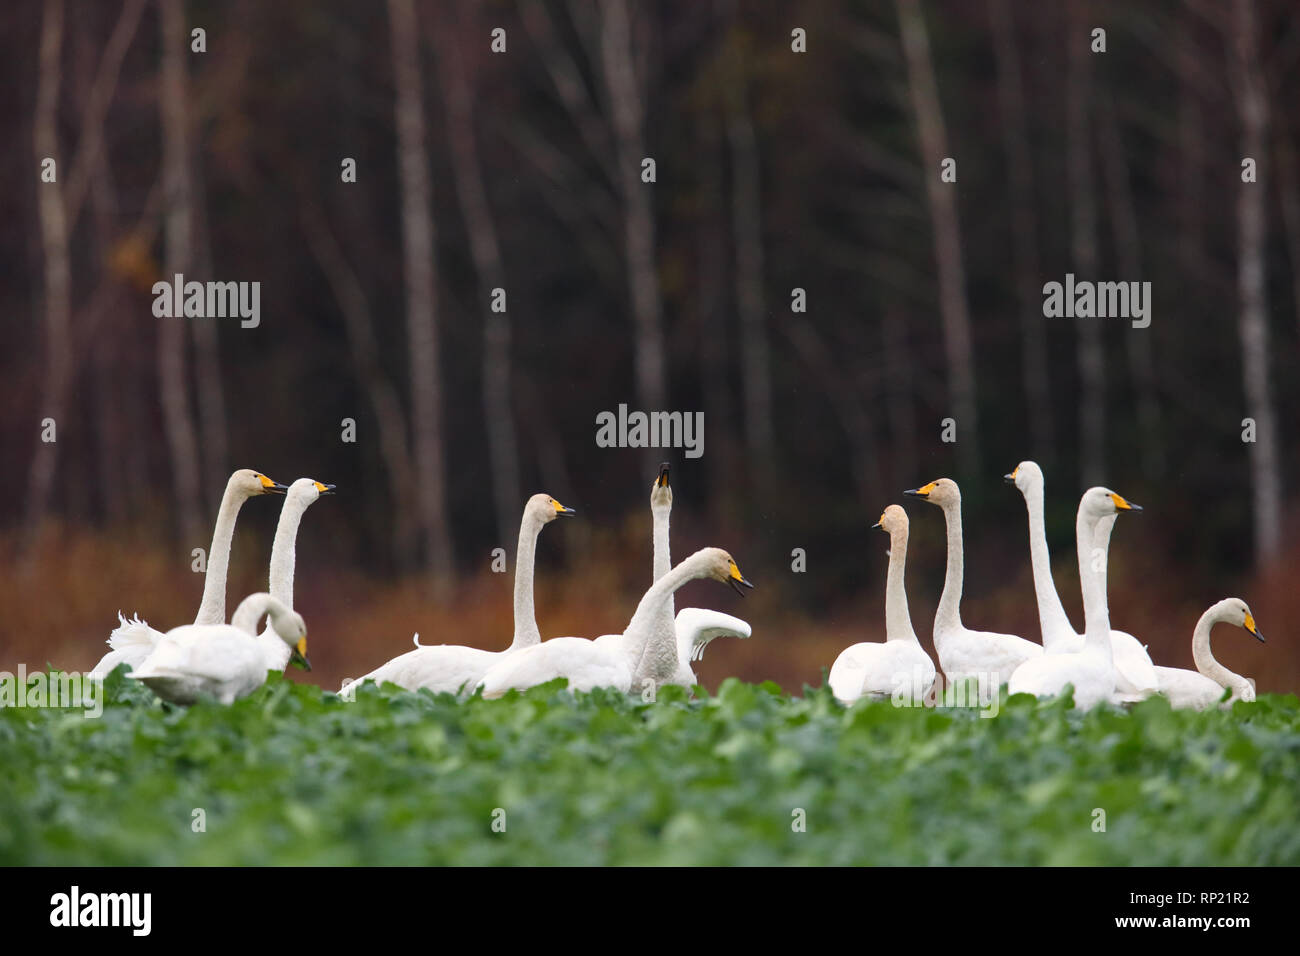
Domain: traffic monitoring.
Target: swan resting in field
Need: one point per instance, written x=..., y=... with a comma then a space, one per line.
x=1203, y=688
x=221, y=660
x=1091, y=670
x=134, y=640
x=1135, y=675
x=898, y=667
x=611, y=660
x=985, y=656
x=694, y=627
x=455, y=668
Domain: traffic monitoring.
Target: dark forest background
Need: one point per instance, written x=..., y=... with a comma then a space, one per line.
x=775, y=170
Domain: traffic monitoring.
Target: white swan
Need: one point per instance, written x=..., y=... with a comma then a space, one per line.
x=694, y=627
x=611, y=661
x=221, y=660
x=1135, y=675
x=986, y=656
x=451, y=668
x=1203, y=690
x=302, y=494
x=132, y=641
x=1091, y=670
x=899, y=665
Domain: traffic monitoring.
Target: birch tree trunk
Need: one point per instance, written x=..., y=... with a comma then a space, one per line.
x=178, y=246
x=624, y=96
x=924, y=93
x=498, y=412
x=1024, y=240
x=421, y=303
x=1083, y=248
x=1252, y=322
x=57, y=271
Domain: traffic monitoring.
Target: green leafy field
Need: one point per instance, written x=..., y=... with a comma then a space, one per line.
x=293, y=775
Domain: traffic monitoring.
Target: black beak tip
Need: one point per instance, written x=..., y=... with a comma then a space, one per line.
x=913, y=492
x=1260, y=637
x=1133, y=507
x=663, y=475
x=1009, y=479
x=278, y=489
x=329, y=489
x=875, y=526
x=567, y=512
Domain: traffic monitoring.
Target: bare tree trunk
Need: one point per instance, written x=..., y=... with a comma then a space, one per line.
x=899, y=389
x=1083, y=249
x=379, y=389
x=747, y=225
x=58, y=274
x=421, y=302
x=1252, y=108
x=928, y=112
x=178, y=189
x=498, y=412
x=207, y=360
x=1124, y=221
x=1024, y=241
x=624, y=95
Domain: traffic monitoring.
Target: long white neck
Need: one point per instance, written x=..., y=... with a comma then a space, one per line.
x=250, y=611
x=1205, y=662
x=650, y=646
x=663, y=560
x=526, y=631
x=283, y=549
x=1052, y=619
x=948, y=614
x=1093, y=541
x=212, y=609
x=898, y=622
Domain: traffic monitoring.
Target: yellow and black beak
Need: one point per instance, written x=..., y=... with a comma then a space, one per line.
x=1011, y=478
x=879, y=524
x=737, y=580
x=922, y=492
x=299, y=656
x=325, y=489
x=561, y=510
x=270, y=487
x=1250, y=626
x=1123, y=504
x=663, y=475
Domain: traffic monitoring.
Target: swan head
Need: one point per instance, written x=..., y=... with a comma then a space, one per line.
x=661, y=492
x=1025, y=475
x=893, y=520
x=544, y=508
x=1235, y=611
x=309, y=489
x=720, y=566
x=250, y=483
x=1099, y=502
x=293, y=631
x=942, y=492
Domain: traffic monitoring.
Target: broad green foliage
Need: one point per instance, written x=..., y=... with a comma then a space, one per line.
x=293, y=775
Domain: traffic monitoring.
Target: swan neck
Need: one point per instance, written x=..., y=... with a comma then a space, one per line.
x=898, y=620
x=1205, y=662
x=526, y=631
x=948, y=614
x=645, y=633
x=283, y=550
x=212, y=608
x=1093, y=560
x=1052, y=619
x=663, y=560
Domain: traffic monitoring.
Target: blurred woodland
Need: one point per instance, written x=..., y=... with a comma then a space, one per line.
x=775, y=170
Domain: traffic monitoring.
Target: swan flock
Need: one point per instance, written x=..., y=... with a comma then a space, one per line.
x=212, y=659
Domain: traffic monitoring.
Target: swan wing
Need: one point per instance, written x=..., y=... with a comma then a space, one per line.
x=1187, y=688
x=442, y=668
x=1134, y=672
x=585, y=663
x=695, y=627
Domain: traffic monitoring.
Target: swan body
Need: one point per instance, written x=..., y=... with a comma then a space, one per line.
x=693, y=627
x=1091, y=671
x=611, y=660
x=220, y=660
x=1135, y=675
x=302, y=494
x=985, y=656
x=134, y=640
x=1203, y=688
x=454, y=668
x=898, y=667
